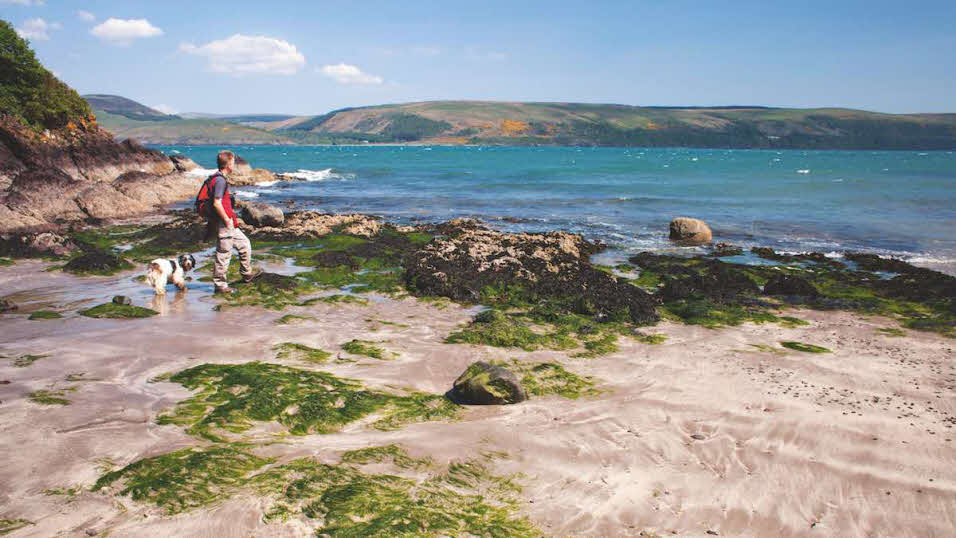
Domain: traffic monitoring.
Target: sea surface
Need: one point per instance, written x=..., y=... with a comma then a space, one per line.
x=888, y=202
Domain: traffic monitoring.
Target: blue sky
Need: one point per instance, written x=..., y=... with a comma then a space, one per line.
x=312, y=57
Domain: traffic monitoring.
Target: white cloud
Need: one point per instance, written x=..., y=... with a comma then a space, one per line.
x=240, y=55
x=165, y=109
x=349, y=74
x=124, y=31
x=85, y=16
x=37, y=29
x=23, y=2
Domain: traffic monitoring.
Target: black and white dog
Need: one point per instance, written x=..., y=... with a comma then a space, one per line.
x=161, y=271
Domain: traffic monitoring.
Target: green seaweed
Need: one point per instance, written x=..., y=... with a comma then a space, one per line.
x=300, y=352
x=366, y=348
x=48, y=397
x=45, y=314
x=393, y=454
x=8, y=525
x=232, y=397
x=546, y=378
x=185, y=479
x=336, y=298
x=293, y=318
x=892, y=331
x=806, y=348
x=26, y=360
x=713, y=315
x=118, y=311
x=5, y=262
x=465, y=500
x=495, y=328
x=650, y=339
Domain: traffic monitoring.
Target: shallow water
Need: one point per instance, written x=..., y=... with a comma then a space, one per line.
x=889, y=202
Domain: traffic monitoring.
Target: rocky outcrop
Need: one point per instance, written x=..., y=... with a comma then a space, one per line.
x=36, y=244
x=79, y=173
x=554, y=265
x=183, y=163
x=790, y=285
x=260, y=214
x=486, y=384
x=244, y=175
x=311, y=224
x=691, y=231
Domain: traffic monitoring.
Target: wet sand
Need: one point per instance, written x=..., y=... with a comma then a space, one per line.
x=701, y=433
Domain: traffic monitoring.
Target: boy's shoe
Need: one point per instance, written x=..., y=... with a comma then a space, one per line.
x=224, y=290
x=249, y=278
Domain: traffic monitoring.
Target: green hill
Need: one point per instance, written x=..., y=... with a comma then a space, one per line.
x=480, y=122
x=122, y=106
x=176, y=130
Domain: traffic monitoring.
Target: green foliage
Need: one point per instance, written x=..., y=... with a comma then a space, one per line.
x=185, y=479
x=118, y=311
x=300, y=352
x=364, y=347
x=806, y=348
x=409, y=127
x=232, y=397
x=45, y=314
x=49, y=397
x=26, y=360
x=31, y=93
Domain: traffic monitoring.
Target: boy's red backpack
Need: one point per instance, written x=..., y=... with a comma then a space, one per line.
x=205, y=196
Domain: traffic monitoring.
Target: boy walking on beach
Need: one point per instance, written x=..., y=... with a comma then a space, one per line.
x=229, y=235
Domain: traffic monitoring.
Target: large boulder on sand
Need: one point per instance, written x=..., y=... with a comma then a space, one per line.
x=792, y=285
x=688, y=230
x=486, y=384
x=260, y=214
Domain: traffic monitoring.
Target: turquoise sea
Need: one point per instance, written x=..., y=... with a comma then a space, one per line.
x=890, y=202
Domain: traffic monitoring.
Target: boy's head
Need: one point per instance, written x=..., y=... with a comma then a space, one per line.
x=225, y=160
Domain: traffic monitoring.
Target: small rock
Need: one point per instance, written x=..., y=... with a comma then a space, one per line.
x=486, y=384
x=260, y=214
x=715, y=533
x=122, y=300
x=698, y=436
x=6, y=305
x=91, y=532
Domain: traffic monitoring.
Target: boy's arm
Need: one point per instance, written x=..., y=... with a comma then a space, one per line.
x=217, y=205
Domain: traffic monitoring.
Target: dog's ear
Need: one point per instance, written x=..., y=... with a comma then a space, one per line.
x=192, y=261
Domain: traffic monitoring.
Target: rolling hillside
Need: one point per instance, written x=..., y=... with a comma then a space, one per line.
x=482, y=122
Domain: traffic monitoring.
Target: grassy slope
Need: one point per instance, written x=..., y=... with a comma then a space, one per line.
x=187, y=132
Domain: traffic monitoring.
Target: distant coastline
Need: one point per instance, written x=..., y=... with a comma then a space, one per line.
x=481, y=123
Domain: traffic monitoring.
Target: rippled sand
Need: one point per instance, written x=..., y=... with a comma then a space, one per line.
x=702, y=433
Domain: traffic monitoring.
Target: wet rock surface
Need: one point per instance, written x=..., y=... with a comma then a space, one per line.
x=312, y=224
x=792, y=285
x=486, y=384
x=35, y=245
x=96, y=262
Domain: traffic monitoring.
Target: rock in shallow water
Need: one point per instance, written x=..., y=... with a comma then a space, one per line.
x=486, y=384
x=122, y=300
x=688, y=230
x=7, y=305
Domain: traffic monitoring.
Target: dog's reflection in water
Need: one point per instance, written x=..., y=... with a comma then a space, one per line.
x=160, y=304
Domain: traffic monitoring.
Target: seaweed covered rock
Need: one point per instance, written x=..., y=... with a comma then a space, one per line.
x=486, y=384
x=688, y=230
x=872, y=262
x=555, y=266
x=791, y=285
x=96, y=262
x=122, y=300
x=718, y=281
x=6, y=305
x=261, y=214
x=312, y=224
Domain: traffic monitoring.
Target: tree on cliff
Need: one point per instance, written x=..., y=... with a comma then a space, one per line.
x=29, y=92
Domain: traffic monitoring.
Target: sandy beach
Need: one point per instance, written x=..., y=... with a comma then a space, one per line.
x=700, y=435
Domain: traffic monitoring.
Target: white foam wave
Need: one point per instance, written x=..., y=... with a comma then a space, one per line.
x=201, y=172
x=316, y=175
x=267, y=183
x=804, y=171
x=247, y=194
